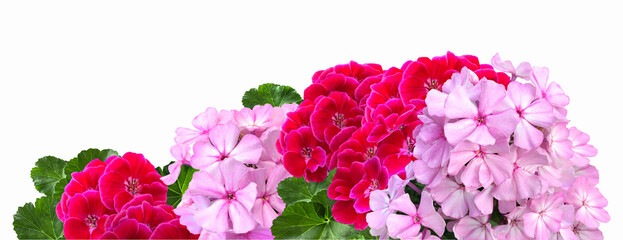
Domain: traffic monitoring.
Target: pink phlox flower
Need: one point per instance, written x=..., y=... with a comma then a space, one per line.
x=268, y=205
x=513, y=229
x=181, y=153
x=202, y=123
x=435, y=99
x=532, y=113
x=578, y=231
x=410, y=225
x=225, y=143
x=588, y=202
x=559, y=145
x=232, y=195
x=485, y=165
x=259, y=119
x=471, y=228
x=581, y=149
x=524, y=70
x=455, y=198
x=380, y=201
x=492, y=118
x=523, y=183
x=552, y=92
x=544, y=216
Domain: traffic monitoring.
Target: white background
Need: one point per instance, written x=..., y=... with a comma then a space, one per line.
x=126, y=74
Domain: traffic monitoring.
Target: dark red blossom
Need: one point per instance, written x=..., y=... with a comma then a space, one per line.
x=86, y=216
x=80, y=182
x=127, y=177
x=333, y=114
x=304, y=154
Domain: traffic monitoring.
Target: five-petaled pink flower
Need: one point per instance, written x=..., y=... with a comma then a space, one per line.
x=409, y=225
x=225, y=143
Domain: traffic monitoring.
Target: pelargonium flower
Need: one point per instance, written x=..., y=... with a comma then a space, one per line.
x=332, y=83
x=455, y=198
x=474, y=228
x=532, y=113
x=142, y=220
x=84, y=219
x=405, y=226
x=380, y=201
x=581, y=149
x=544, y=216
x=268, y=205
x=352, y=70
x=391, y=116
x=552, y=93
x=588, y=202
x=232, y=195
x=202, y=123
x=127, y=177
x=334, y=114
x=492, y=119
x=305, y=155
x=558, y=143
x=384, y=90
x=375, y=177
x=483, y=164
x=524, y=70
x=224, y=144
x=513, y=229
x=258, y=119
x=523, y=183
x=87, y=179
x=181, y=153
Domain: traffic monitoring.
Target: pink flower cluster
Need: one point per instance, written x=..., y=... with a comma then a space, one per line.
x=485, y=148
x=122, y=198
x=234, y=195
x=359, y=119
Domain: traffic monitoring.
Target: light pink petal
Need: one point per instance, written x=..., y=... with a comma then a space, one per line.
x=235, y=175
x=206, y=120
x=491, y=97
x=461, y=154
x=185, y=135
x=539, y=113
x=215, y=217
x=504, y=66
x=524, y=70
x=502, y=124
x=224, y=137
x=506, y=191
x=205, y=155
x=248, y=150
x=377, y=219
x=435, y=101
x=404, y=204
x=402, y=226
x=521, y=94
x=208, y=183
x=527, y=136
x=539, y=78
x=247, y=195
x=529, y=185
x=455, y=205
x=481, y=136
x=458, y=105
x=484, y=201
x=556, y=96
x=429, y=216
x=174, y=173
x=241, y=219
x=277, y=202
x=378, y=200
x=459, y=130
x=500, y=167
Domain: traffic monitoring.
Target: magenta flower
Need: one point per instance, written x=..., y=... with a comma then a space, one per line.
x=523, y=183
x=202, y=123
x=87, y=179
x=492, y=119
x=469, y=228
x=552, y=92
x=544, y=216
x=232, y=195
x=532, y=113
x=127, y=177
x=224, y=144
x=409, y=225
x=333, y=114
x=485, y=165
x=581, y=149
x=139, y=220
x=589, y=203
x=524, y=70
x=304, y=155
x=268, y=205
x=84, y=219
x=375, y=177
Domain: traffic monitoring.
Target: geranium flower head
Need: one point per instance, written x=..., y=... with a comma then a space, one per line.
x=127, y=177
x=87, y=179
x=84, y=219
x=305, y=155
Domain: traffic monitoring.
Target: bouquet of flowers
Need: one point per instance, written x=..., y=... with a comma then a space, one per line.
x=441, y=148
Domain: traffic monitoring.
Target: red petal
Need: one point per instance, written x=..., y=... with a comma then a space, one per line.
x=294, y=163
x=73, y=228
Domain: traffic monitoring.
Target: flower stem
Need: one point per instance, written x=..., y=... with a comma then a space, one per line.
x=416, y=189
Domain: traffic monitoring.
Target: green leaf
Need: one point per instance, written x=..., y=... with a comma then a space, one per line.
x=47, y=172
x=302, y=221
x=38, y=221
x=78, y=163
x=293, y=190
x=273, y=94
x=179, y=187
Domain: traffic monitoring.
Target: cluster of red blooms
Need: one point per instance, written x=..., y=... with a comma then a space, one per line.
x=360, y=119
x=122, y=198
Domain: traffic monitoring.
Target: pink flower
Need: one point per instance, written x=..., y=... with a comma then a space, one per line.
x=259, y=119
x=255, y=234
x=232, y=195
x=473, y=228
x=493, y=119
x=268, y=205
x=579, y=231
x=405, y=226
x=532, y=113
x=181, y=154
x=375, y=177
x=455, y=198
x=431, y=144
x=524, y=70
x=127, y=177
x=380, y=201
x=581, y=149
x=485, y=165
x=84, y=219
x=202, y=123
x=513, y=229
x=224, y=144
x=589, y=203
x=558, y=142
x=523, y=183
x=544, y=216
x=552, y=92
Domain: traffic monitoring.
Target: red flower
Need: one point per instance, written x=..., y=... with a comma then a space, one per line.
x=486, y=71
x=333, y=114
x=385, y=90
x=129, y=176
x=84, y=219
x=80, y=182
x=391, y=116
x=295, y=120
x=305, y=155
x=353, y=70
x=333, y=83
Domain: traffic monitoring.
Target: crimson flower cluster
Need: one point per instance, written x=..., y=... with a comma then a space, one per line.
x=360, y=119
x=121, y=198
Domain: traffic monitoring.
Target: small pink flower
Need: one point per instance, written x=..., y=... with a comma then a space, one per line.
x=469, y=228
x=544, y=216
x=581, y=149
x=405, y=226
x=523, y=183
x=589, y=203
x=492, y=119
x=513, y=229
x=224, y=144
x=268, y=205
x=202, y=123
x=558, y=142
x=181, y=153
x=259, y=119
x=485, y=165
x=552, y=92
x=455, y=198
x=524, y=70
x=532, y=113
